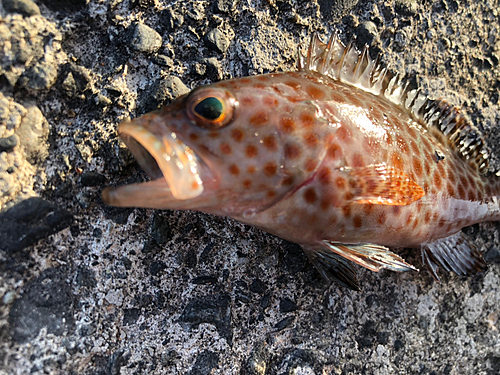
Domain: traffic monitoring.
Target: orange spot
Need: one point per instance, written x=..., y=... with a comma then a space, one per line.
x=287, y=125
x=307, y=120
x=396, y=210
x=437, y=181
x=451, y=177
x=340, y=182
x=357, y=221
x=461, y=191
x=346, y=210
x=311, y=139
x=245, y=80
x=237, y=135
x=251, y=151
x=348, y=196
x=270, y=101
x=270, y=169
x=403, y=147
x=251, y=169
x=389, y=140
x=450, y=189
x=194, y=137
x=326, y=203
x=259, y=86
x=310, y=165
x=382, y=218
x=288, y=181
x=214, y=134
x=194, y=185
x=259, y=119
x=310, y=195
x=415, y=148
x=427, y=217
x=234, y=170
x=270, y=142
x=315, y=92
x=427, y=165
x=292, y=151
x=225, y=149
x=409, y=219
x=333, y=151
x=415, y=224
x=293, y=84
x=263, y=78
x=368, y=208
x=465, y=182
x=358, y=160
x=343, y=134
x=247, y=100
x=417, y=167
x=247, y=184
x=325, y=176
x=271, y=194
x=397, y=161
x=471, y=195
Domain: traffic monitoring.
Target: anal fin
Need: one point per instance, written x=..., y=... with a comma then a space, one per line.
x=371, y=256
x=333, y=267
x=455, y=253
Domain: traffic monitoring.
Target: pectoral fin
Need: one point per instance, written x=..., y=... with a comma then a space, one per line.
x=374, y=257
x=333, y=267
x=455, y=253
x=382, y=184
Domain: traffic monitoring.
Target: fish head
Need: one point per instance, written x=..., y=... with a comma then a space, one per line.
x=219, y=149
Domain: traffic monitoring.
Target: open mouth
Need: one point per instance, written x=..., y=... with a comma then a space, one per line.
x=172, y=166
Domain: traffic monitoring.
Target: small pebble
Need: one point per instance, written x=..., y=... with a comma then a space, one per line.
x=25, y=7
x=163, y=60
x=41, y=76
x=367, y=32
x=224, y=6
x=165, y=90
x=172, y=20
x=287, y=305
x=145, y=39
x=8, y=144
x=217, y=41
x=8, y=297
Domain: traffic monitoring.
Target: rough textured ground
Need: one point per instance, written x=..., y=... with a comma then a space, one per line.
x=89, y=289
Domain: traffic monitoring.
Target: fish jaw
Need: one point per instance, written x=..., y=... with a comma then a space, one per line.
x=178, y=176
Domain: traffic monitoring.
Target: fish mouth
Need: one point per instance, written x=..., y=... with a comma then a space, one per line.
x=172, y=166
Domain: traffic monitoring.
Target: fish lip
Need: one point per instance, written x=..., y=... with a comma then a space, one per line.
x=163, y=156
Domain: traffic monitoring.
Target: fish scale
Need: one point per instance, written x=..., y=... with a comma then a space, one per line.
x=341, y=157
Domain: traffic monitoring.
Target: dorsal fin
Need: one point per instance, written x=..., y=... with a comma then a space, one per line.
x=444, y=121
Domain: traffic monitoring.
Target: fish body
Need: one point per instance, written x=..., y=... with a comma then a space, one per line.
x=340, y=157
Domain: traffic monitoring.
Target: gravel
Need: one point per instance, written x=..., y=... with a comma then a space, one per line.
x=90, y=289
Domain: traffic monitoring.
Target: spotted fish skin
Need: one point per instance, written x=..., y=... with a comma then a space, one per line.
x=340, y=136
x=343, y=170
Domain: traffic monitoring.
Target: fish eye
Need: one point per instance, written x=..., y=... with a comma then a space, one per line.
x=211, y=108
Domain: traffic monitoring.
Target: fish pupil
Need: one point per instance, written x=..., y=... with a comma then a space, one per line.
x=209, y=108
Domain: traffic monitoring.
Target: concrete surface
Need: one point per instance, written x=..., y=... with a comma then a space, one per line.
x=90, y=289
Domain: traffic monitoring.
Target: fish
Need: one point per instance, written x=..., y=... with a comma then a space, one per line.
x=341, y=156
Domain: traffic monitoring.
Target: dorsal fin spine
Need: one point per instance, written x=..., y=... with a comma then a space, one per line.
x=347, y=64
